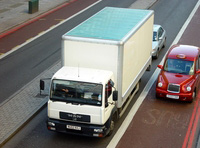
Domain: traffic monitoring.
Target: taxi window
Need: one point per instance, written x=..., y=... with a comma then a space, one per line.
x=179, y=66
x=197, y=64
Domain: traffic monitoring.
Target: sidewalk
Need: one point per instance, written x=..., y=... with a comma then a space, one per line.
x=19, y=108
x=13, y=13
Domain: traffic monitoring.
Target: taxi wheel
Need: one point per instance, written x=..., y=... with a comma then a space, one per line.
x=157, y=96
x=194, y=95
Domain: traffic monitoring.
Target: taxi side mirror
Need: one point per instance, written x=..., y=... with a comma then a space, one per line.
x=198, y=71
x=160, y=66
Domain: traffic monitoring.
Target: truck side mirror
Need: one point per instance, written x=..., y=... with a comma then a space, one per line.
x=115, y=95
x=160, y=66
x=42, y=85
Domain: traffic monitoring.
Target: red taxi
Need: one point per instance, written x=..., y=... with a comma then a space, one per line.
x=179, y=77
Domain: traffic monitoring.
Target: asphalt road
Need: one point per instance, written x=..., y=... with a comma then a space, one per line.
x=170, y=14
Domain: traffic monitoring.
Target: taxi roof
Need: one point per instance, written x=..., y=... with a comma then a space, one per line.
x=187, y=52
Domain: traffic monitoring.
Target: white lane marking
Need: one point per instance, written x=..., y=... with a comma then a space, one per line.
x=113, y=143
x=32, y=39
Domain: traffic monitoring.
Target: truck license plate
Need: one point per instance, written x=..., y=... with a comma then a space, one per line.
x=172, y=96
x=73, y=127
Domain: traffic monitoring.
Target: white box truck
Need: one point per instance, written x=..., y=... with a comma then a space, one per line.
x=103, y=60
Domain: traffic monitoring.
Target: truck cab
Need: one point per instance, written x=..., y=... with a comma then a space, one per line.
x=180, y=75
x=81, y=101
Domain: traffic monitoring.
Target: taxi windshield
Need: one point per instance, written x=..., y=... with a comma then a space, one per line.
x=76, y=92
x=179, y=66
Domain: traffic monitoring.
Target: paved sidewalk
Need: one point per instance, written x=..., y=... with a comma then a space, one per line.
x=15, y=12
x=23, y=105
x=19, y=108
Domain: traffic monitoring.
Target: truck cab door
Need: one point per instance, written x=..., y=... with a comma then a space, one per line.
x=109, y=104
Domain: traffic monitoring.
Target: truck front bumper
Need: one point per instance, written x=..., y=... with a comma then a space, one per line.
x=77, y=128
x=176, y=96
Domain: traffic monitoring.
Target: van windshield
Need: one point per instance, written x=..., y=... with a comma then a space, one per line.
x=179, y=66
x=155, y=36
x=76, y=92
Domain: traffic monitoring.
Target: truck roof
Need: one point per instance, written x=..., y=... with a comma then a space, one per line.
x=83, y=74
x=111, y=24
x=185, y=52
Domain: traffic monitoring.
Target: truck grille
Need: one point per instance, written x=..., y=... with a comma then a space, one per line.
x=174, y=88
x=74, y=117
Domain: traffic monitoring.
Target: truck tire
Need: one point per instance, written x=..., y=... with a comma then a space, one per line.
x=112, y=126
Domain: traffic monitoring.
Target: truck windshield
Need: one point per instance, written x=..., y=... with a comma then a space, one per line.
x=76, y=92
x=179, y=66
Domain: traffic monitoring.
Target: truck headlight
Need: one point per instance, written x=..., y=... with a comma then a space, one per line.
x=188, y=88
x=51, y=124
x=160, y=84
x=98, y=130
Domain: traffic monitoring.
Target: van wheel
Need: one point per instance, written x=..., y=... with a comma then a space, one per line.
x=157, y=53
x=148, y=68
x=164, y=43
x=156, y=56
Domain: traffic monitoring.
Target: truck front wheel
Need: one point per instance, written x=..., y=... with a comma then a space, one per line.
x=112, y=125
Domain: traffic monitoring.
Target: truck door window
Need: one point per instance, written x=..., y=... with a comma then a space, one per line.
x=108, y=92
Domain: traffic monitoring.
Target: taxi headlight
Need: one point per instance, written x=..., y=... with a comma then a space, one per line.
x=160, y=84
x=188, y=88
